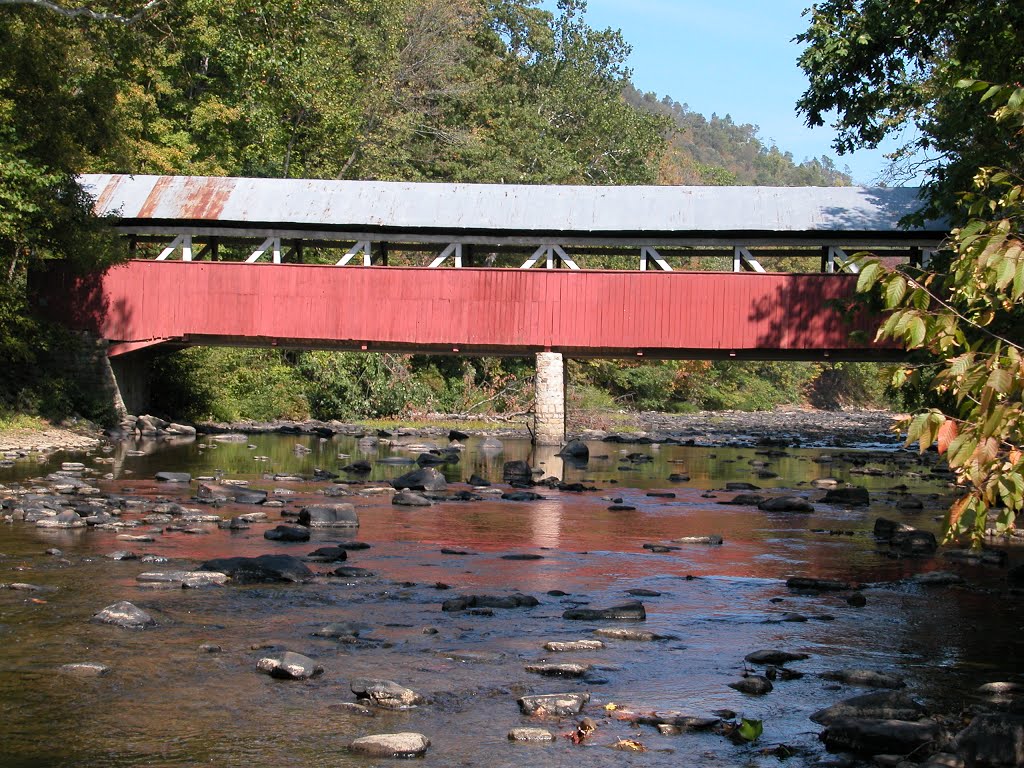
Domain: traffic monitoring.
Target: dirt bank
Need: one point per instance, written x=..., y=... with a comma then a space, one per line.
x=46, y=439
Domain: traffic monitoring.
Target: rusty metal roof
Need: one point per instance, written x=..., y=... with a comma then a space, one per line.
x=503, y=208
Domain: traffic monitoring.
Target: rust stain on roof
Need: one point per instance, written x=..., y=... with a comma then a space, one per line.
x=192, y=197
x=155, y=197
x=204, y=198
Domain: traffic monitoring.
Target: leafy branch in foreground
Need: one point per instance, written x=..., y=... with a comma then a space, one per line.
x=969, y=313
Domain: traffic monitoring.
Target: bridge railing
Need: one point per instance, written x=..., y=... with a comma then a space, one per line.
x=801, y=255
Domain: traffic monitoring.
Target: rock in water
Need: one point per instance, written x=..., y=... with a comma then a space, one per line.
x=386, y=694
x=874, y=737
x=755, y=685
x=260, y=570
x=174, y=477
x=993, y=740
x=773, y=657
x=631, y=611
x=853, y=496
x=530, y=734
x=394, y=745
x=864, y=677
x=786, y=504
x=287, y=533
x=872, y=706
x=289, y=666
x=426, y=479
x=126, y=615
x=575, y=449
x=329, y=516
x=554, y=704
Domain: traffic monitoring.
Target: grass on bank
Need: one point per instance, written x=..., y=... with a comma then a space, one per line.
x=12, y=421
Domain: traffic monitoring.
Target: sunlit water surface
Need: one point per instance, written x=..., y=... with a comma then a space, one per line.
x=166, y=703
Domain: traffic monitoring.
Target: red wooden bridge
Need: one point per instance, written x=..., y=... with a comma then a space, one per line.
x=377, y=266
x=467, y=311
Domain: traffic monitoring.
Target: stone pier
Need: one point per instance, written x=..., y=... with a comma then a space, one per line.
x=549, y=411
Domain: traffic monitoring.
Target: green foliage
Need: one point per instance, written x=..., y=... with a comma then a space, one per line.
x=344, y=385
x=750, y=730
x=224, y=384
x=970, y=318
x=884, y=67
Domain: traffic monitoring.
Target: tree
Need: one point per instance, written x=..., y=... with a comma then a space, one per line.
x=968, y=313
x=890, y=67
x=884, y=67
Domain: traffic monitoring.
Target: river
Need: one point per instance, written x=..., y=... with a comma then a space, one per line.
x=167, y=702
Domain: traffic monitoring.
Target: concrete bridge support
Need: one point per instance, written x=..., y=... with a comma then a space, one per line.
x=549, y=408
x=129, y=381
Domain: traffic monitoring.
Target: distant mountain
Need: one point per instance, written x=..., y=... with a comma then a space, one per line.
x=720, y=152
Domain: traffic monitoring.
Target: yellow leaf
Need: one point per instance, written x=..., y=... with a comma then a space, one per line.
x=610, y=707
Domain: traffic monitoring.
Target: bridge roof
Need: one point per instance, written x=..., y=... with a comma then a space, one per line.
x=379, y=206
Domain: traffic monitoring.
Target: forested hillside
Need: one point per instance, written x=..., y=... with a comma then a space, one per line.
x=423, y=90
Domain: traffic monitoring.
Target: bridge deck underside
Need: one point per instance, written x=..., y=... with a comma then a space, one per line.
x=471, y=311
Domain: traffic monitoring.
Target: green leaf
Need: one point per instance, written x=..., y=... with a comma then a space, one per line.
x=1000, y=380
x=869, y=275
x=916, y=332
x=895, y=291
x=750, y=730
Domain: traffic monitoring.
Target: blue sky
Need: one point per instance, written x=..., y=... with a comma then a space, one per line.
x=734, y=57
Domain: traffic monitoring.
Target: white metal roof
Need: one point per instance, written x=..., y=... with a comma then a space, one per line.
x=505, y=208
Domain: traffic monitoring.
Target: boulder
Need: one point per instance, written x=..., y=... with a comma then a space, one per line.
x=124, y=615
x=391, y=745
x=491, y=445
x=425, y=479
x=260, y=570
x=329, y=516
x=289, y=666
x=328, y=555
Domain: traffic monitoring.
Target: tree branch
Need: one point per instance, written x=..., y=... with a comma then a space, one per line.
x=74, y=13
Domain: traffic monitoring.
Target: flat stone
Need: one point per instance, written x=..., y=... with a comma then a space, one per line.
x=874, y=737
x=567, y=669
x=329, y=516
x=774, y=657
x=85, y=669
x=712, y=540
x=884, y=705
x=631, y=611
x=174, y=477
x=570, y=646
x=193, y=578
x=260, y=570
x=554, y=704
x=289, y=666
x=287, y=533
x=410, y=499
x=530, y=735
x=126, y=615
x=393, y=745
x=632, y=635
x=864, y=677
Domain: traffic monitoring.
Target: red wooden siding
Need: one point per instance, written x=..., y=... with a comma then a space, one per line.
x=490, y=311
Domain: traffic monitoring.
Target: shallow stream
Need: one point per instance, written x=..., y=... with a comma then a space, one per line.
x=165, y=702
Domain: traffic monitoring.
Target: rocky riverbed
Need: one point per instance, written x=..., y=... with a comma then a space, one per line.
x=305, y=599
